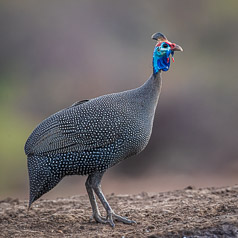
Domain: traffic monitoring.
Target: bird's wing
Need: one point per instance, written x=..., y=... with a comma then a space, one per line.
x=83, y=126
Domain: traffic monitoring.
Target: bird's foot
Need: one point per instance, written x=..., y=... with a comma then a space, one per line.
x=125, y=220
x=98, y=218
x=110, y=219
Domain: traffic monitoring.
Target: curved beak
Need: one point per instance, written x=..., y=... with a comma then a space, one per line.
x=176, y=48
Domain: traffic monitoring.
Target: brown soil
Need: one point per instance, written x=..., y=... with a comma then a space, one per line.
x=190, y=212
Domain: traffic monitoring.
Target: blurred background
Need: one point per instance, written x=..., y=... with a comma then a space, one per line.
x=53, y=53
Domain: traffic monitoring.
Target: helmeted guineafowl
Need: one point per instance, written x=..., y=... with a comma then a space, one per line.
x=93, y=135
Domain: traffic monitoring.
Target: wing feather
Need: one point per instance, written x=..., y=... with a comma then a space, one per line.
x=83, y=126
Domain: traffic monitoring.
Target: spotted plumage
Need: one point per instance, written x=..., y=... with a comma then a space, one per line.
x=91, y=136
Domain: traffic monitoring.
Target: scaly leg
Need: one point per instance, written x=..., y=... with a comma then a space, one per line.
x=96, y=214
x=95, y=184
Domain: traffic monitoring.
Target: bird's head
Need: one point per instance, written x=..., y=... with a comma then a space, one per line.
x=163, y=50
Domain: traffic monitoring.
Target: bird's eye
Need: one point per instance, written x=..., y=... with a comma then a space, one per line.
x=165, y=45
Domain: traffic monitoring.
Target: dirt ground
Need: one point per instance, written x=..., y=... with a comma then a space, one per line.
x=191, y=212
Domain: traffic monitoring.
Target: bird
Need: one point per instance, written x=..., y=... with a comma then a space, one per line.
x=93, y=135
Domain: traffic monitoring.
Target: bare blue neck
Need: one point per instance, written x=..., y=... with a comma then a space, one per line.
x=161, y=60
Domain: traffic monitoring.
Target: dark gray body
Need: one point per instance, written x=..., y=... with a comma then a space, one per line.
x=91, y=136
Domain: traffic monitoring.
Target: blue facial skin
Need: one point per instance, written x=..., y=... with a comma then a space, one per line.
x=161, y=57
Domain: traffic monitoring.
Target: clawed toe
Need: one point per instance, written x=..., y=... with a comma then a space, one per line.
x=110, y=219
x=123, y=219
x=98, y=218
x=118, y=218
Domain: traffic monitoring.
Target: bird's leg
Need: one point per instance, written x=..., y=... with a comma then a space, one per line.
x=96, y=214
x=96, y=185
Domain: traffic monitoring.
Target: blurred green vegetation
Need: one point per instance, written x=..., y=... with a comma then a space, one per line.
x=58, y=52
x=14, y=128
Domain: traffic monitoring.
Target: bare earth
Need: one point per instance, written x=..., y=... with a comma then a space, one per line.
x=211, y=212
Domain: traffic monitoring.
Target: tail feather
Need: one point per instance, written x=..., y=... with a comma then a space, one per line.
x=42, y=177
